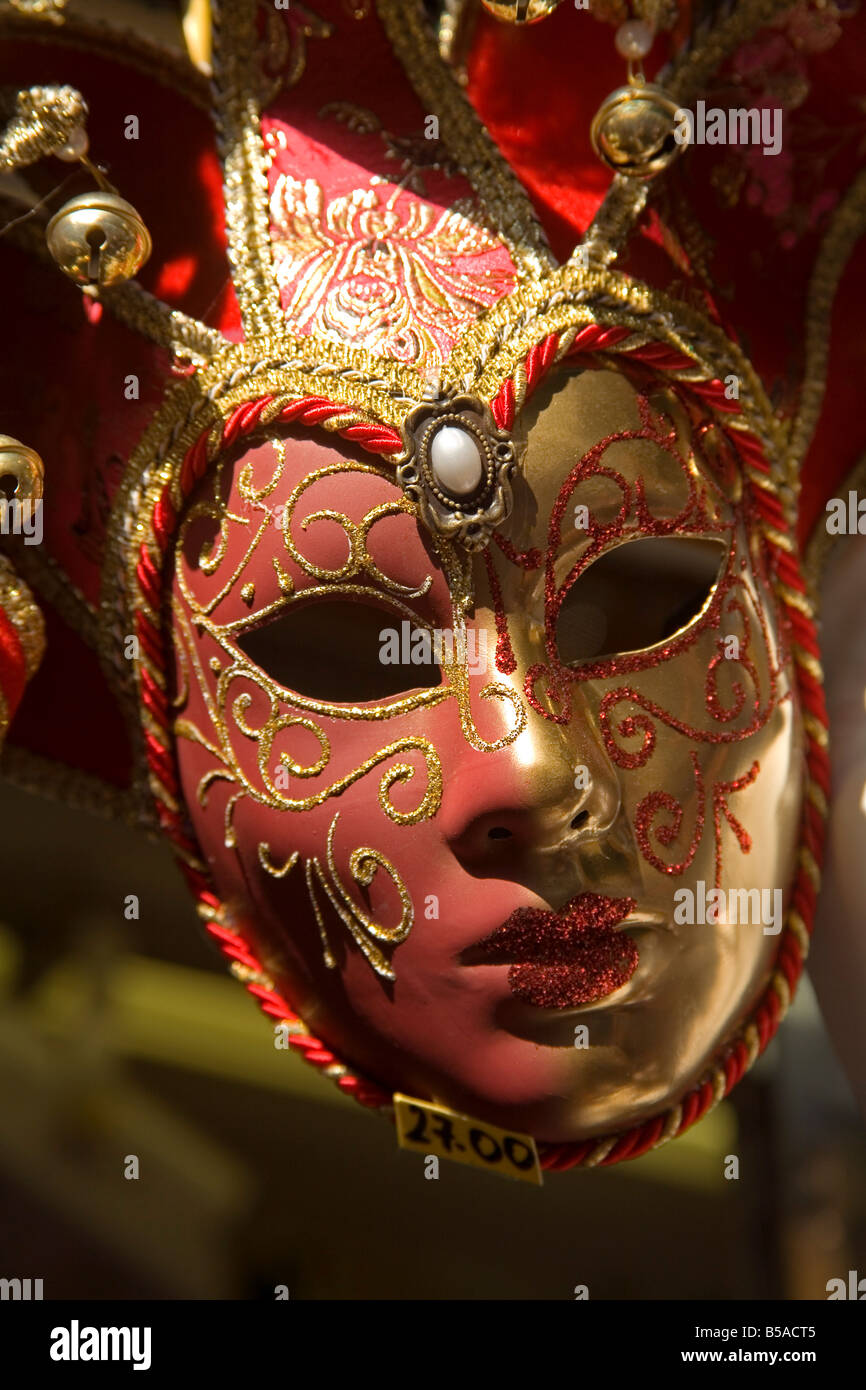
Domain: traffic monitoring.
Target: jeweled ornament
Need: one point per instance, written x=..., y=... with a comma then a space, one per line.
x=455, y=460
x=457, y=467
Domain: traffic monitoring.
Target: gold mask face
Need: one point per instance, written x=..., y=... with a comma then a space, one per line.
x=581, y=967
x=662, y=763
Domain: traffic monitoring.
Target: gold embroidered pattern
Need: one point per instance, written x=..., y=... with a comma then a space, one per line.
x=501, y=193
x=380, y=268
x=237, y=81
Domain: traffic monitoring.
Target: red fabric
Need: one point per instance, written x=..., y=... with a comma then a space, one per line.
x=63, y=388
x=762, y=251
x=512, y=73
x=69, y=713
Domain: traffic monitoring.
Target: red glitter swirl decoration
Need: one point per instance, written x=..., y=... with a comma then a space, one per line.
x=667, y=834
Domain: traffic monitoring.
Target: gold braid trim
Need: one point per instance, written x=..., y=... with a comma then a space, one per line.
x=238, y=126
x=496, y=346
x=179, y=334
x=846, y=228
x=80, y=790
x=504, y=198
x=54, y=586
x=42, y=572
x=38, y=121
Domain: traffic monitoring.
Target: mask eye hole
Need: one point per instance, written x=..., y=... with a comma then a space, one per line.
x=637, y=595
x=339, y=650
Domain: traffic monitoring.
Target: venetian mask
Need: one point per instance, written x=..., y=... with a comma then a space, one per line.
x=452, y=599
x=470, y=803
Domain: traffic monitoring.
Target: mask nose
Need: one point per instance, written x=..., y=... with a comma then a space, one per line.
x=550, y=792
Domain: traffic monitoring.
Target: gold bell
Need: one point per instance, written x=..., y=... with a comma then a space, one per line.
x=633, y=131
x=24, y=465
x=98, y=239
x=520, y=11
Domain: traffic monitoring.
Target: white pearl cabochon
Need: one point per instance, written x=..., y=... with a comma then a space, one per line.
x=455, y=460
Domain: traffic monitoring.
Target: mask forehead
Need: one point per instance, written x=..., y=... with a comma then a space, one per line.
x=644, y=438
x=295, y=516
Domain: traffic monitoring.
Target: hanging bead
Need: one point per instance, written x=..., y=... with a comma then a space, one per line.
x=75, y=147
x=634, y=39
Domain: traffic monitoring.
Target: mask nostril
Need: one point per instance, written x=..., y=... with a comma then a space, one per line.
x=498, y=832
x=580, y=819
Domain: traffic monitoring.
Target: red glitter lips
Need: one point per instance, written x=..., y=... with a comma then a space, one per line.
x=561, y=959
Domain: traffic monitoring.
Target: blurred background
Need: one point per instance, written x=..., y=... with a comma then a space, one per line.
x=127, y=1038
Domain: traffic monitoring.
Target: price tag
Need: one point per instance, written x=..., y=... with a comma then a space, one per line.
x=434, y=1129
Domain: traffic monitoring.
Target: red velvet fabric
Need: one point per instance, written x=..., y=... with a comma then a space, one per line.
x=761, y=251
x=63, y=389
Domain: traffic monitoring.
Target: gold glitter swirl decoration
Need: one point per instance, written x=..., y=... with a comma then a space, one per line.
x=458, y=572
x=364, y=863
x=359, y=565
x=267, y=792
x=224, y=708
x=359, y=560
